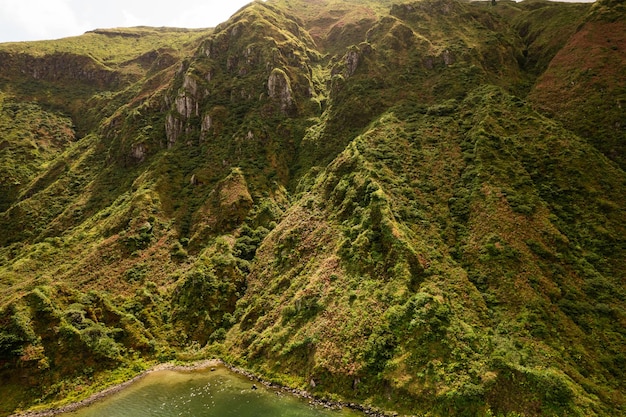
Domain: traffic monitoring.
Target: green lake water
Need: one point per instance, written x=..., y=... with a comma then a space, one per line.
x=218, y=393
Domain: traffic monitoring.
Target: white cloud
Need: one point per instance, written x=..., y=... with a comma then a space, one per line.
x=38, y=19
x=50, y=19
x=208, y=13
x=131, y=20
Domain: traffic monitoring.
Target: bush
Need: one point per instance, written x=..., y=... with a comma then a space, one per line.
x=11, y=345
x=136, y=274
x=178, y=252
x=553, y=387
x=218, y=335
x=97, y=339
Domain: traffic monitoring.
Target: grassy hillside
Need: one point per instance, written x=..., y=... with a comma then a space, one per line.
x=586, y=90
x=400, y=204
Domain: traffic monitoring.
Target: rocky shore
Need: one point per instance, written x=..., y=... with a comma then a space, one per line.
x=207, y=364
x=334, y=405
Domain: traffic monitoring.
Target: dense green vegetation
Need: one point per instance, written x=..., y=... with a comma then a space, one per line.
x=418, y=206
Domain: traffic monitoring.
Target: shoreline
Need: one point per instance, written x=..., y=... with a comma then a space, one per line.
x=197, y=366
x=54, y=411
x=329, y=404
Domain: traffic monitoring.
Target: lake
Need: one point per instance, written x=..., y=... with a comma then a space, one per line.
x=218, y=393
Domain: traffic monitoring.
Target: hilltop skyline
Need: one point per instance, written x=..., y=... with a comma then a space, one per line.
x=32, y=20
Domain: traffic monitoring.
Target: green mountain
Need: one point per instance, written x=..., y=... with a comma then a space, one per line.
x=416, y=206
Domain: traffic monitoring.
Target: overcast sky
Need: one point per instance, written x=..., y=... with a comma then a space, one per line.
x=26, y=20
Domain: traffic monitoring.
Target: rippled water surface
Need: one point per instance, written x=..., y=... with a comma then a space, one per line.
x=218, y=393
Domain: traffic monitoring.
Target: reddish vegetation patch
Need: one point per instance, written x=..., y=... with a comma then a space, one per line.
x=594, y=46
x=333, y=21
x=593, y=58
x=584, y=87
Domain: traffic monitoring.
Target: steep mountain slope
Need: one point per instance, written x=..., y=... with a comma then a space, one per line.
x=587, y=90
x=349, y=197
x=393, y=273
x=32, y=135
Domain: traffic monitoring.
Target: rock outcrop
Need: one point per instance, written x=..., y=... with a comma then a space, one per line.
x=279, y=89
x=59, y=67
